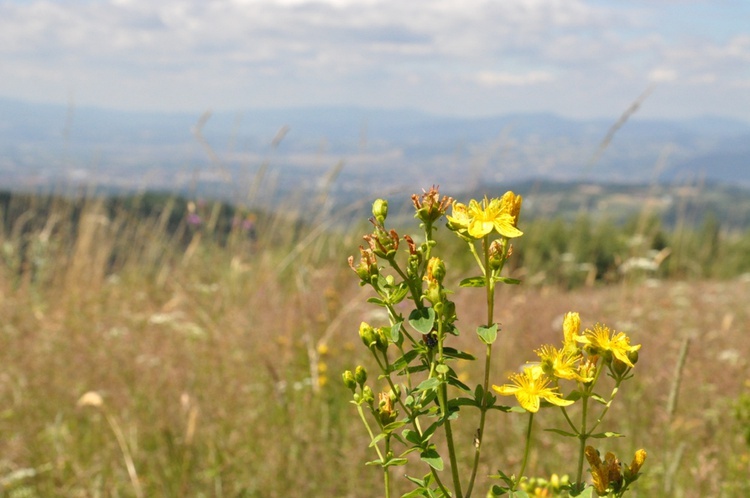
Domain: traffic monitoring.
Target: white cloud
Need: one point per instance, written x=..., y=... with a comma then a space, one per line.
x=662, y=75
x=231, y=53
x=489, y=78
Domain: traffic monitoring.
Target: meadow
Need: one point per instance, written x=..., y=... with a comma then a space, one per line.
x=147, y=353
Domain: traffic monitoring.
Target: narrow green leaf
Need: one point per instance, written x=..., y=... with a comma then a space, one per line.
x=453, y=381
x=395, y=462
x=462, y=402
x=375, y=300
x=377, y=439
x=602, y=435
x=404, y=361
x=473, y=282
x=422, y=320
x=432, y=458
x=598, y=398
x=454, y=353
x=394, y=425
x=562, y=433
x=507, y=280
x=488, y=335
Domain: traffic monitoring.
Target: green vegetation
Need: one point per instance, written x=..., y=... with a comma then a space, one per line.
x=209, y=350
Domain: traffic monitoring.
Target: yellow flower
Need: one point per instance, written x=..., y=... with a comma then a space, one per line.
x=571, y=326
x=460, y=219
x=511, y=203
x=529, y=388
x=488, y=216
x=600, y=340
x=562, y=364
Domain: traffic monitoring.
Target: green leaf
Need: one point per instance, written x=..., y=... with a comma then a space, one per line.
x=399, y=294
x=498, y=490
x=488, y=335
x=562, y=433
x=395, y=462
x=428, y=384
x=427, y=434
x=473, y=282
x=462, y=402
x=422, y=320
x=432, y=458
x=377, y=439
x=507, y=280
x=404, y=361
x=454, y=353
x=394, y=425
x=574, y=395
x=412, y=436
x=375, y=300
x=417, y=493
x=602, y=435
x=453, y=381
x=598, y=398
x=443, y=369
x=396, y=333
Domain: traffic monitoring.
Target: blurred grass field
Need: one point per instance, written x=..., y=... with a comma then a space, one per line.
x=217, y=354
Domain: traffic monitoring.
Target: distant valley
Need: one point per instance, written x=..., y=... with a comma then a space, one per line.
x=360, y=152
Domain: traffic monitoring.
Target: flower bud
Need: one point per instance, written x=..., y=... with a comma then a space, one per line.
x=368, y=265
x=633, y=357
x=381, y=338
x=360, y=375
x=348, y=378
x=367, y=334
x=430, y=206
x=435, y=270
x=367, y=395
x=496, y=255
x=380, y=210
x=434, y=292
x=631, y=473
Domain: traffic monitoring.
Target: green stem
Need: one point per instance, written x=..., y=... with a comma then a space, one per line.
x=443, y=401
x=386, y=472
x=606, y=407
x=582, y=437
x=490, y=286
x=369, y=431
x=525, y=452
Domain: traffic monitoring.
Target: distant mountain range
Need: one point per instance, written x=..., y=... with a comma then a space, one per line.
x=365, y=150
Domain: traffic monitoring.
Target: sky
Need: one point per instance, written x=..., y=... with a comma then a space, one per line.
x=575, y=58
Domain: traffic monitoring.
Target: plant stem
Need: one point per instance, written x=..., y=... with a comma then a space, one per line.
x=443, y=401
x=582, y=436
x=490, y=286
x=525, y=451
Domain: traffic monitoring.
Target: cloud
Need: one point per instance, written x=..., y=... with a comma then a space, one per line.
x=489, y=78
x=187, y=54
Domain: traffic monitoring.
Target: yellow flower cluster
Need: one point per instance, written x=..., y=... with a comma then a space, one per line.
x=479, y=219
x=569, y=363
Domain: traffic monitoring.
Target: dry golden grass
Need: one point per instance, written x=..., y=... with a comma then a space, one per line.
x=220, y=367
